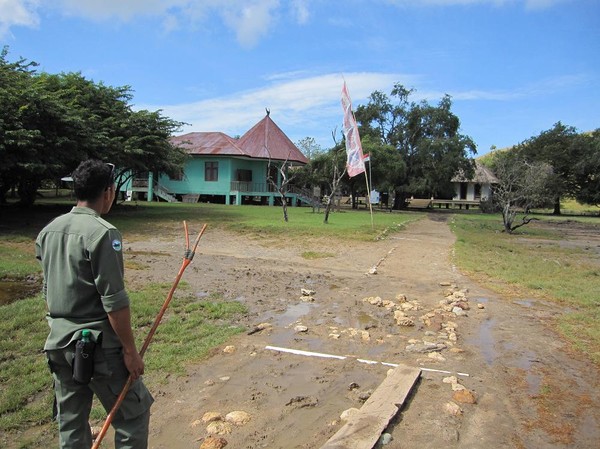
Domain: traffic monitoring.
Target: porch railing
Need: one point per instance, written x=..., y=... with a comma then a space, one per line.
x=258, y=187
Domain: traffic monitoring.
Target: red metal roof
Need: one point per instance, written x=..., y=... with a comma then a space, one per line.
x=264, y=141
x=208, y=143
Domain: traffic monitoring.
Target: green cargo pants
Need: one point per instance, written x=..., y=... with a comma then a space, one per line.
x=74, y=401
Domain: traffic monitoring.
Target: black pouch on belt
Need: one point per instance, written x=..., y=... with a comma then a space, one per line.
x=83, y=362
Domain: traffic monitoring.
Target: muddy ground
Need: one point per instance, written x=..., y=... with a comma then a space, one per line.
x=531, y=390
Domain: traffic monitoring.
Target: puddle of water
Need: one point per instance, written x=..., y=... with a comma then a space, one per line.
x=361, y=321
x=534, y=380
x=485, y=341
x=292, y=313
x=525, y=302
x=481, y=299
x=11, y=291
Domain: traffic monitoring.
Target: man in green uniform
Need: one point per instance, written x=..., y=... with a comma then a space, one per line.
x=82, y=259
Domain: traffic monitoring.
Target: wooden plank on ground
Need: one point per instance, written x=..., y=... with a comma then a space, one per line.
x=365, y=427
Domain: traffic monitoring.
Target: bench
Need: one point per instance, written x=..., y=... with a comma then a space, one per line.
x=417, y=203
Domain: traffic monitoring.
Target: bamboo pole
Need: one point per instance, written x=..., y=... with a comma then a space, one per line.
x=187, y=259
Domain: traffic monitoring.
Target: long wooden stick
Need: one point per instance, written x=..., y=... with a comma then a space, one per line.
x=187, y=259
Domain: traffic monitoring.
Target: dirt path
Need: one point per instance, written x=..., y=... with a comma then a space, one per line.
x=530, y=391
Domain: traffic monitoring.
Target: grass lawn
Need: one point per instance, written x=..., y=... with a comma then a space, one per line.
x=520, y=268
x=25, y=382
x=521, y=265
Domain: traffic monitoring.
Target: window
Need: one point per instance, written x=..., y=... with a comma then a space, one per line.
x=177, y=177
x=244, y=175
x=211, y=171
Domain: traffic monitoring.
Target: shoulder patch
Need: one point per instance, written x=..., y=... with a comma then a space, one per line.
x=116, y=244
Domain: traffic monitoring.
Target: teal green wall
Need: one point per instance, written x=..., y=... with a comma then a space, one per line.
x=193, y=179
x=259, y=169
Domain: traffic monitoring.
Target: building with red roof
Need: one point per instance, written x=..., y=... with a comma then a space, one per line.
x=226, y=170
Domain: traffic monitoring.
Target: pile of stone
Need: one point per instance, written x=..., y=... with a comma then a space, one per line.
x=218, y=425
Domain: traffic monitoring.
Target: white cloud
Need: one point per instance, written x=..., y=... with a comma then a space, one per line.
x=301, y=107
x=248, y=20
x=252, y=21
x=310, y=105
x=18, y=13
x=529, y=4
x=300, y=10
x=542, y=87
x=124, y=10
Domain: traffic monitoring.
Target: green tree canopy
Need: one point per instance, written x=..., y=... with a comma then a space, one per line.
x=522, y=185
x=587, y=170
x=49, y=123
x=426, y=137
x=558, y=148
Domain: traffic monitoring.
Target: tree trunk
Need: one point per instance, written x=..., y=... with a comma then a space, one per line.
x=327, y=209
x=285, y=212
x=507, y=218
x=556, y=206
x=27, y=191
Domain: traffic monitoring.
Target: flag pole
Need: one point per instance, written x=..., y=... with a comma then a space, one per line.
x=369, y=195
x=354, y=156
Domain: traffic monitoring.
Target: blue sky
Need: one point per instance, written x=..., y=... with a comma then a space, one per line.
x=512, y=67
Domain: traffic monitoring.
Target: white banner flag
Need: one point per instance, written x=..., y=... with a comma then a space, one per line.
x=354, y=154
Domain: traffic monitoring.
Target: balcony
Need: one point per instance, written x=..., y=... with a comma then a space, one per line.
x=251, y=187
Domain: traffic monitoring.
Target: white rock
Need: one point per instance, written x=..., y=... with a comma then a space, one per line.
x=300, y=328
x=400, y=297
x=374, y=300
x=229, y=349
x=450, y=380
x=453, y=409
x=436, y=356
x=347, y=414
x=405, y=321
x=211, y=416
x=306, y=292
x=399, y=314
x=385, y=439
x=388, y=304
x=238, y=417
x=218, y=428
x=458, y=311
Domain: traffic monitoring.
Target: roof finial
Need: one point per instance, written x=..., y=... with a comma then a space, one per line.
x=268, y=111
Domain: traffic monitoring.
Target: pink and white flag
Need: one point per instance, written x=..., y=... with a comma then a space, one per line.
x=354, y=155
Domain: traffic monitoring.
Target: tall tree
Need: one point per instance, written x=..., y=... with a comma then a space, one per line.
x=16, y=138
x=427, y=138
x=49, y=123
x=309, y=147
x=559, y=147
x=587, y=170
x=522, y=186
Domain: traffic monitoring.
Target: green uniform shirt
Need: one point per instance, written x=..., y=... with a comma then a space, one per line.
x=82, y=260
